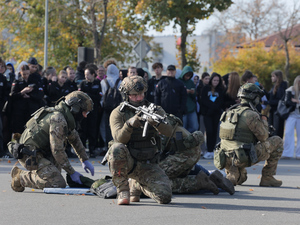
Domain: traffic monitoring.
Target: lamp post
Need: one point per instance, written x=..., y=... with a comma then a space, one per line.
x=46, y=36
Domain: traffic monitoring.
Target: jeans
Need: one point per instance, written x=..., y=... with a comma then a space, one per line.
x=190, y=121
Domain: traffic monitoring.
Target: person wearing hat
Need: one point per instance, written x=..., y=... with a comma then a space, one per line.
x=171, y=94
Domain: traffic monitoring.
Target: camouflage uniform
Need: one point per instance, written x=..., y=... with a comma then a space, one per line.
x=243, y=125
x=133, y=156
x=150, y=177
x=47, y=132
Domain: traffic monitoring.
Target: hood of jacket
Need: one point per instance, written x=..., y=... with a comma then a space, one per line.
x=185, y=70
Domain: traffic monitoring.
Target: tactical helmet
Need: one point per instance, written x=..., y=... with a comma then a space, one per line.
x=250, y=91
x=79, y=101
x=132, y=85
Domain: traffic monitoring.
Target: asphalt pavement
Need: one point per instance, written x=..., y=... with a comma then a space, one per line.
x=251, y=204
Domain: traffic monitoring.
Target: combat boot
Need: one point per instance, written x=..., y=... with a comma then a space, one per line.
x=269, y=181
x=206, y=183
x=123, y=198
x=135, y=190
x=16, y=179
x=222, y=182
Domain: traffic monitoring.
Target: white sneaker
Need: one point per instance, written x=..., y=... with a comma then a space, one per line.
x=208, y=155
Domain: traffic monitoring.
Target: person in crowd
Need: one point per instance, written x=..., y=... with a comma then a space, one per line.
x=70, y=82
x=123, y=74
x=25, y=100
x=293, y=121
x=203, y=81
x=109, y=62
x=49, y=77
x=132, y=71
x=190, y=121
x=158, y=68
x=211, y=100
x=101, y=73
x=3, y=99
x=112, y=76
x=245, y=140
x=79, y=75
x=274, y=95
x=58, y=88
x=92, y=87
x=230, y=97
x=147, y=75
x=19, y=69
x=124, y=155
x=47, y=145
x=171, y=94
x=34, y=77
x=247, y=77
x=40, y=70
x=196, y=80
x=10, y=74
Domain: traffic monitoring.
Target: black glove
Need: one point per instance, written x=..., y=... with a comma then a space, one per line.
x=134, y=121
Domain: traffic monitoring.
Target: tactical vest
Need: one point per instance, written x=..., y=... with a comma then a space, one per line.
x=37, y=128
x=234, y=126
x=142, y=148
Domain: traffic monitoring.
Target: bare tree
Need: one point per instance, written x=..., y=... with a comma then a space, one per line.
x=287, y=24
x=246, y=16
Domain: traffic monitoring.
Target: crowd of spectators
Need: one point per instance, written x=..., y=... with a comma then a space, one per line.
x=197, y=100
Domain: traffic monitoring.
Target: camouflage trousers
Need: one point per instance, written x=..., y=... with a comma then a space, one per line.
x=178, y=166
x=151, y=178
x=47, y=175
x=269, y=150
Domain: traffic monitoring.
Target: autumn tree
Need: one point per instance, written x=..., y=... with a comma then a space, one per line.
x=72, y=23
x=258, y=60
x=184, y=13
x=193, y=59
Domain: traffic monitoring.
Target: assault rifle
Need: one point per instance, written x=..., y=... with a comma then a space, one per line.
x=146, y=112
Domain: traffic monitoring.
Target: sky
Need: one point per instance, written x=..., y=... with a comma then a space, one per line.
x=200, y=28
x=203, y=24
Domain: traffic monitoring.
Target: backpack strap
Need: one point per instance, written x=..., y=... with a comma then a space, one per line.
x=107, y=84
x=116, y=84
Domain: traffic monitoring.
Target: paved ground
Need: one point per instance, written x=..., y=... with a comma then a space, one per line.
x=250, y=204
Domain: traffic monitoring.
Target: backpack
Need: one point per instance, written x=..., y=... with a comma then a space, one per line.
x=112, y=97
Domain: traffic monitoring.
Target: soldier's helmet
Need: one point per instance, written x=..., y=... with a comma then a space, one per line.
x=132, y=85
x=250, y=91
x=79, y=102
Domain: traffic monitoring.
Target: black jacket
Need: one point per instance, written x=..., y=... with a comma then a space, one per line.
x=93, y=89
x=274, y=99
x=3, y=90
x=151, y=88
x=21, y=105
x=171, y=95
x=208, y=106
x=55, y=92
x=71, y=85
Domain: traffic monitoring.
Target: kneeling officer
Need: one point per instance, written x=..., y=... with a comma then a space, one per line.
x=245, y=140
x=41, y=147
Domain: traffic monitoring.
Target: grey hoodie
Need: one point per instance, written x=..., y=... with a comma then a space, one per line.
x=112, y=74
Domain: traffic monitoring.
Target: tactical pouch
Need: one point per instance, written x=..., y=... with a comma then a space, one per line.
x=220, y=159
x=31, y=163
x=104, y=188
x=241, y=155
x=250, y=150
x=142, y=154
